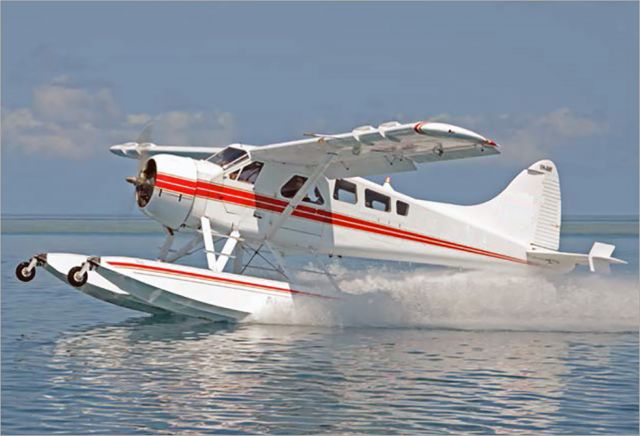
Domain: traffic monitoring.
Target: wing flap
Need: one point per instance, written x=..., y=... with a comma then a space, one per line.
x=374, y=165
x=390, y=147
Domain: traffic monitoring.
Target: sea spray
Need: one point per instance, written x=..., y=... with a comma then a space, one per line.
x=438, y=298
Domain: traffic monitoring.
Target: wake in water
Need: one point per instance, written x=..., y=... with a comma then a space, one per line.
x=386, y=297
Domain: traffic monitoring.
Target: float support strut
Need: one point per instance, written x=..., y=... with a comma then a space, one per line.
x=217, y=263
x=164, y=251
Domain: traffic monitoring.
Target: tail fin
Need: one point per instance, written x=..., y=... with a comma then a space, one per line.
x=529, y=209
x=528, y=212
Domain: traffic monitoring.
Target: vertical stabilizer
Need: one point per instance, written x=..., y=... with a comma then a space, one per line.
x=528, y=210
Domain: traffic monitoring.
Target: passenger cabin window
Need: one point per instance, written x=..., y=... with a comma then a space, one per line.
x=228, y=156
x=250, y=173
x=377, y=201
x=291, y=188
x=345, y=191
x=402, y=208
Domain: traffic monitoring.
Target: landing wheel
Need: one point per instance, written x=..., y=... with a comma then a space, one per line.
x=75, y=279
x=23, y=274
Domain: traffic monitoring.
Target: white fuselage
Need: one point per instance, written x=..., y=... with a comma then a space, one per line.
x=421, y=231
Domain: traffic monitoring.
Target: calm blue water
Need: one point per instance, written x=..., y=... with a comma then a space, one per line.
x=417, y=350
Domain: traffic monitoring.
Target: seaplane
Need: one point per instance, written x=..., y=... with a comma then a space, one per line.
x=308, y=196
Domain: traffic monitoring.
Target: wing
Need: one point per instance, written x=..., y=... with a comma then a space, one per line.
x=391, y=147
x=134, y=150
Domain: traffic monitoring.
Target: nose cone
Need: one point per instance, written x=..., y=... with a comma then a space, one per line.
x=171, y=194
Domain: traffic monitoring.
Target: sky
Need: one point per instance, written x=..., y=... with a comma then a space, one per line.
x=544, y=80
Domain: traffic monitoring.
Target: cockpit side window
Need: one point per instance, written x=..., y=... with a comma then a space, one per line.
x=228, y=157
x=291, y=188
x=250, y=173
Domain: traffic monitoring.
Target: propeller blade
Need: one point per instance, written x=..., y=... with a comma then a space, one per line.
x=143, y=155
x=144, y=142
x=141, y=146
x=145, y=136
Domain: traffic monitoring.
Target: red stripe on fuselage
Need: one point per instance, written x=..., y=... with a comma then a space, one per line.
x=172, y=179
x=249, y=199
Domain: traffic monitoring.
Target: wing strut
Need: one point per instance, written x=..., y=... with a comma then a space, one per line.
x=302, y=192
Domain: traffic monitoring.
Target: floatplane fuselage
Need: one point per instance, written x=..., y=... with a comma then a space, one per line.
x=307, y=196
x=350, y=217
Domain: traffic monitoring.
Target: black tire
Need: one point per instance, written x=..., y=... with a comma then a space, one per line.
x=21, y=272
x=71, y=277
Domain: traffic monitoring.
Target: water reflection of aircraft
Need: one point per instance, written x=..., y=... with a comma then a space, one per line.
x=307, y=196
x=270, y=376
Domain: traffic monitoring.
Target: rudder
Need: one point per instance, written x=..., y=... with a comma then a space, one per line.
x=548, y=219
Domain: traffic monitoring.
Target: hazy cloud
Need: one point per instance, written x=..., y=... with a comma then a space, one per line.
x=540, y=135
x=64, y=104
x=198, y=128
x=525, y=138
x=22, y=129
x=71, y=121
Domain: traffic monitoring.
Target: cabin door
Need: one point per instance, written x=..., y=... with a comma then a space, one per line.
x=305, y=226
x=239, y=189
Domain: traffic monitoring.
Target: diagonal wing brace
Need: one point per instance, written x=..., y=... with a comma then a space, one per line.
x=302, y=192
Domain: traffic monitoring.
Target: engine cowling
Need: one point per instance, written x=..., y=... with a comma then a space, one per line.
x=168, y=191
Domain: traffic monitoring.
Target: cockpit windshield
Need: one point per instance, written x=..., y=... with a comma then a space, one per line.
x=228, y=156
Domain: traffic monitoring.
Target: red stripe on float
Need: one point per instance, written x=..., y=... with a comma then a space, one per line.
x=213, y=278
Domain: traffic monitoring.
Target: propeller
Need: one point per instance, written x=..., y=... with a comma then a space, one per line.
x=144, y=180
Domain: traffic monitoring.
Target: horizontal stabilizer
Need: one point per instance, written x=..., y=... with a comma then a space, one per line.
x=598, y=259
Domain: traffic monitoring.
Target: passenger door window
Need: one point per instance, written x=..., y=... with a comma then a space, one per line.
x=345, y=191
x=402, y=208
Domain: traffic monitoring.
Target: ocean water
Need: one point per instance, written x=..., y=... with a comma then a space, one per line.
x=415, y=349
